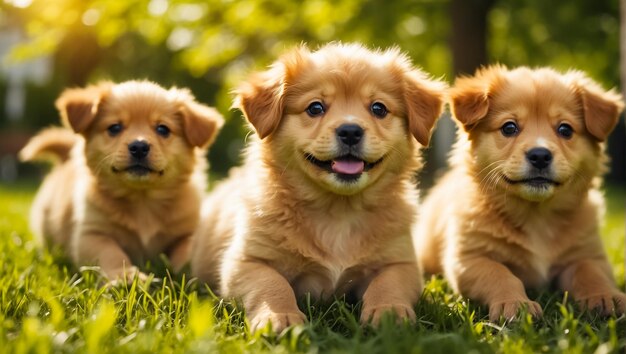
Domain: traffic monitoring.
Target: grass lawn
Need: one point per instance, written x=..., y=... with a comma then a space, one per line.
x=47, y=306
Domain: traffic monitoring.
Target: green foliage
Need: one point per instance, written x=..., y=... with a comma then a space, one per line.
x=47, y=306
x=211, y=45
x=580, y=35
x=221, y=40
x=232, y=35
x=216, y=42
x=208, y=46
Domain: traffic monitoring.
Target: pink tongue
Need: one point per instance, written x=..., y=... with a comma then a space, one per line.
x=347, y=167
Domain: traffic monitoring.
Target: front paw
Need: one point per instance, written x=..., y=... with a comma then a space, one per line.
x=125, y=276
x=279, y=321
x=509, y=309
x=606, y=303
x=373, y=314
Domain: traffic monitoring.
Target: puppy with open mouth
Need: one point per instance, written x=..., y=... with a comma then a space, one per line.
x=129, y=176
x=521, y=206
x=325, y=200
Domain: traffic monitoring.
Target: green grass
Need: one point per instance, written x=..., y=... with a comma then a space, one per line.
x=47, y=306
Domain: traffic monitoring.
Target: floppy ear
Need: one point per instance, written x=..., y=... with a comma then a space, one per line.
x=201, y=123
x=79, y=106
x=469, y=101
x=261, y=100
x=601, y=108
x=424, y=100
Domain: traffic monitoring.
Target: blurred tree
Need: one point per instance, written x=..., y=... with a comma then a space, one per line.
x=623, y=45
x=618, y=143
x=210, y=45
x=469, y=34
x=572, y=34
x=468, y=44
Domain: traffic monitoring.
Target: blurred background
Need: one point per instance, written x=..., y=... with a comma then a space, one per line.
x=208, y=46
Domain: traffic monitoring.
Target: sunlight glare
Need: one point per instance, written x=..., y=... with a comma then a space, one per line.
x=414, y=26
x=22, y=4
x=188, y=12
x=179, y=38
x=157, y=7
x=91, y=17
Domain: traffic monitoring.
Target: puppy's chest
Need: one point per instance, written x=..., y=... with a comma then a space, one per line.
x=342, y=250
x=154, y=229
x=547, y=240
x=149, y=232
x=341, y=241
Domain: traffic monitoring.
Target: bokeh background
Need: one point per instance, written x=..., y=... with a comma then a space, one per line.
x=208, y=46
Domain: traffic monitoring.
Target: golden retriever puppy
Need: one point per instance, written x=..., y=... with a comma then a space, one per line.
x=129, y=185
x=520, y=207
x=325, y=200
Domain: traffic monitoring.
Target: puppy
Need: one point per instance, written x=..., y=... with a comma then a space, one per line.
x=520, y=207
x=128, y=186
x=325, y=200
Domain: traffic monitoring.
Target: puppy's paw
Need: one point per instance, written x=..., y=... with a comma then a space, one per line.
x=279, y=320
x=373, y=314
x=126, y=275
x=606, y=304
x=510, y=309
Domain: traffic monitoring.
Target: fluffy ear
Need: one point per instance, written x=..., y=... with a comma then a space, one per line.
x=79, y=106
x=469, y=100
x=601, y=108
x=424, y=100
x=201, y=123
x=261, y=100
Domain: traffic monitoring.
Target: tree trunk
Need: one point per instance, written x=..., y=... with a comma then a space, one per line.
x=617, y=143
x=468, y=42
x=622, y=41
x=622, y=47
x=469, y=34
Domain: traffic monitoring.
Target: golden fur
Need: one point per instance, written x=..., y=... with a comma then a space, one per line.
x=100, y=204
x=492, y=235
x=282, y=226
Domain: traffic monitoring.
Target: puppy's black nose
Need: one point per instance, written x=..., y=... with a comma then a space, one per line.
x=349, y=134
x=539, y=157
x=138, y=149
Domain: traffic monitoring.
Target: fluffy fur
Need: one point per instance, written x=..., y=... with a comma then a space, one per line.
x=496, y=224
x=299, y=216
x=107, y=205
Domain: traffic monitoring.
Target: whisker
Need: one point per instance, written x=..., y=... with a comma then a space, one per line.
x=102, y=162
x=490, y=180
x=488, y=166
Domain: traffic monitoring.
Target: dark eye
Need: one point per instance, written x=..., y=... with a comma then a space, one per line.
x=509, y=129
x=565, y=130
x=378, y=109
x=114, y=129
x=315, y=109
x=163, y=130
